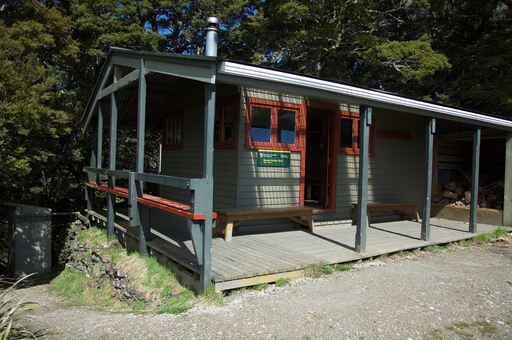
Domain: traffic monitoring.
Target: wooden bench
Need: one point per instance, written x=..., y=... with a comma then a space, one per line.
x=227, y=219
x=404, y=210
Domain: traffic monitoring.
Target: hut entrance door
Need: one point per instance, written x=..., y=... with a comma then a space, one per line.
x=319, y=155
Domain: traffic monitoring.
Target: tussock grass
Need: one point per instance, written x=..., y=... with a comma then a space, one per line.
x=10, y=310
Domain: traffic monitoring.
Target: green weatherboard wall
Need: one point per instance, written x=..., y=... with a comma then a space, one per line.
x=274, y=159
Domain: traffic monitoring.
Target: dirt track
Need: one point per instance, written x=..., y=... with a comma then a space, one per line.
x=463, y=293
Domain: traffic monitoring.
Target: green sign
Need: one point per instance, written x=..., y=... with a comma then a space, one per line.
x=274, y=159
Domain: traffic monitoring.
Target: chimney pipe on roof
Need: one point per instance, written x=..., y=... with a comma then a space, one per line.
x=212, y=37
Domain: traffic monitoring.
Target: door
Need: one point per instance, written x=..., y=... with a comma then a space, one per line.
x=320, y=160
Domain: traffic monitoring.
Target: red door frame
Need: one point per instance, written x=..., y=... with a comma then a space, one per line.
x=332, y=155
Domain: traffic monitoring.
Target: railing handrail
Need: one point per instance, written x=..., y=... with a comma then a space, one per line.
x=108, y=172
x=166, y=180
x=172, y=181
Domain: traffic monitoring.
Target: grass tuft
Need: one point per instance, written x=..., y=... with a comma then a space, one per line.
x=213, y=296
x=177, y=305
x=314, y=271
x=282, y=282
x=93, y=237
x=70, y=284
x=343, y=267
x=436, y=249
x=261, y=286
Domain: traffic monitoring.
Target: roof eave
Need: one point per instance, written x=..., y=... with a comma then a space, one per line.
x=250, y=75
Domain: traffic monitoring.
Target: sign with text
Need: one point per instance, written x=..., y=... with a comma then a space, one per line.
x=274, y=159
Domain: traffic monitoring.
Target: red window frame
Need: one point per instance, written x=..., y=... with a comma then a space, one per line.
x=223, y=104
x=354, y=150
x=300, y=125
x=177, y=117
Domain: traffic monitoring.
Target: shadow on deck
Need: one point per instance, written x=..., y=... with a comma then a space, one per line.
x=262, y=257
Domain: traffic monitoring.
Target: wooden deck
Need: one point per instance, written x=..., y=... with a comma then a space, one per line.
x=290, y=250
x=260, y=253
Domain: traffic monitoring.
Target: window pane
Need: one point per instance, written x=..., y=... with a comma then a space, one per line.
x=260, y=124
x=346, y=133
x=286, y=126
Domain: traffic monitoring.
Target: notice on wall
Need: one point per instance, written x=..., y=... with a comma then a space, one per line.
x=274, y=159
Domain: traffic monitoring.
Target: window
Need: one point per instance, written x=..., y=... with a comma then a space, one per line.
x=286, y=126
x=346, y=133
x=173, y=134
x=273, y=124
x=261, y=124
x=225, y=118
x=349, y=133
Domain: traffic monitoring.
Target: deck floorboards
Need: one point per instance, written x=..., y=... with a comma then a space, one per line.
x=276, y=250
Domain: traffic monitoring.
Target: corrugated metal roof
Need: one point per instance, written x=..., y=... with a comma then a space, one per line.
x=293, y=83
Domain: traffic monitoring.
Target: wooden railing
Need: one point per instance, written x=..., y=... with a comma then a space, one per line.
x=136, y=197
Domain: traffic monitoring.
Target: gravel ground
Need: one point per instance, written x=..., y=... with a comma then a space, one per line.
x=463, y=293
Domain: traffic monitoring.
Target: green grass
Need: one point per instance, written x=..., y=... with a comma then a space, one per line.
x=318, y=270
x=314, y=270
x=94, y=237
x=158, y=284
x=79, y=289
x=70, y=284
x=213, y=297
x=261, y=286
x=177, y=305
x=436, y=249
x=343, y=267
x=492, y=236
x=282, y=282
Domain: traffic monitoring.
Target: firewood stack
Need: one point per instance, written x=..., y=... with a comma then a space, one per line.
x=458, y=195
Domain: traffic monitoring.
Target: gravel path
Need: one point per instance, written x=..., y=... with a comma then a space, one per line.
x=463, y=293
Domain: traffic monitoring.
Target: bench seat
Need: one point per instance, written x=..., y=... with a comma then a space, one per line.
x=404, y=210
x=227, y=219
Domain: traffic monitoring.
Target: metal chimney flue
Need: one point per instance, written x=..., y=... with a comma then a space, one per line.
x=212, y=37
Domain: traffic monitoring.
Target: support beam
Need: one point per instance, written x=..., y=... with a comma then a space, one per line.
x=123, y=82
x=362, y=199
x=474, y=181
x=99, y=142
x=111, y=199
x=427, y=203
x=507, y=200
x=205, y=195
x=89, y=193
x=134, y=212
x=142, y=226
x=141, y=119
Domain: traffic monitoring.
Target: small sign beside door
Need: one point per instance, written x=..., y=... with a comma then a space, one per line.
x=273, y=159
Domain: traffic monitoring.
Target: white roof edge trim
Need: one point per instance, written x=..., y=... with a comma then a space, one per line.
x=265, y=74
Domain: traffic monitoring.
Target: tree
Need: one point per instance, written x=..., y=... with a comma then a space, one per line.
x=36, y=142
x=378, y=44
x=477, y=38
